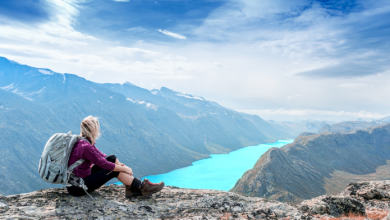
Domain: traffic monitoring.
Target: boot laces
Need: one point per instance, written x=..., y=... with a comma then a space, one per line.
x=150, y=183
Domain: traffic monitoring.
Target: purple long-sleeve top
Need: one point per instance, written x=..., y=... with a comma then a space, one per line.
x=84, y=150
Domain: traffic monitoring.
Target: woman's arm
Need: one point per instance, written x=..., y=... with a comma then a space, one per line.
x=88, y=152
x=99, y=152
x=125, y=169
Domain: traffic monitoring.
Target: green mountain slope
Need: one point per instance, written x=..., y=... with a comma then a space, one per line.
x=152, y=132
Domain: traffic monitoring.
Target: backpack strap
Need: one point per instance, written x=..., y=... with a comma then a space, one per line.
x=75, y=164
x=85, y=139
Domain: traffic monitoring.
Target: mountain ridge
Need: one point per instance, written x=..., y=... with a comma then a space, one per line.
x=319, y=163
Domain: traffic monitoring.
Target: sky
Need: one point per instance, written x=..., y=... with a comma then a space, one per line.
x=279, y=59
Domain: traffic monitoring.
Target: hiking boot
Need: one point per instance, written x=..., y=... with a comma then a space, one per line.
x=148, y=188
x=130, y=193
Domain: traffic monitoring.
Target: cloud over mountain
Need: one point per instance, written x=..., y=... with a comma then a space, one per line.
x=246, y=54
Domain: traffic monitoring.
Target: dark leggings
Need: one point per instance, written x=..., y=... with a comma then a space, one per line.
x=97, y=178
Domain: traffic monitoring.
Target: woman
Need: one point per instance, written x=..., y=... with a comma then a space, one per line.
x=105, y=167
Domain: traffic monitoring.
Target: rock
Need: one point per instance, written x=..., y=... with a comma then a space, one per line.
x=368, y=199
x=333, y=205
x=369, y=190
x=306, y=134
x=338, y=206
x=387, y=217
x=109, y=202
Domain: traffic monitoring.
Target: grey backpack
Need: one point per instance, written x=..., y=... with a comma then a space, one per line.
x=53, y=165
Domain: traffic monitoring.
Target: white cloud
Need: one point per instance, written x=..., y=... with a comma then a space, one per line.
x=121, y=0
x=57, y=31
x=178, y=36
x=354, y=85
x=292, y=97
x=252, y=66
x=264, y=8
x=137, y=29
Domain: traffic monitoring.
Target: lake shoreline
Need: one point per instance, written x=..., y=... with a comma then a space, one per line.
x=219, y=171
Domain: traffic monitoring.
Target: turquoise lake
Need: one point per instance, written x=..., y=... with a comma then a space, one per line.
x=220, y=172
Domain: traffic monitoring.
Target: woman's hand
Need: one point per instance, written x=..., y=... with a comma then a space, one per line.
x=123, y=168
x=128, y=170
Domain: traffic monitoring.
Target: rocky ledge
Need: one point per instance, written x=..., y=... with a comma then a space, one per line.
x=370, y=200
x=362, y=200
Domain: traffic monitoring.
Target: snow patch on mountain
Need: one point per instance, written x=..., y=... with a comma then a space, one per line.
x=147, y=104
x=17, y=92
x=33, y=93
x=46, y=72
x=188, y=96
x=11, y=86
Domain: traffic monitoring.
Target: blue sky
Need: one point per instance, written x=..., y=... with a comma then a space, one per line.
x=279, y=59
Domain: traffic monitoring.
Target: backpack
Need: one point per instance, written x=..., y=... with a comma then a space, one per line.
x=53, y=165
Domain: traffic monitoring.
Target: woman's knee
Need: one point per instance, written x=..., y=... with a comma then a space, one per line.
x=111, y=158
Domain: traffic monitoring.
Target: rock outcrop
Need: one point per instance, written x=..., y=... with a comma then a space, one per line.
x=366, y=199
x=369, y=200
x=317, y=164
x=171, y=203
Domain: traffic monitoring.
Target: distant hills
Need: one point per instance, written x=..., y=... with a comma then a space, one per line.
x=151, y=131
x=316, y=164
x=352, y=125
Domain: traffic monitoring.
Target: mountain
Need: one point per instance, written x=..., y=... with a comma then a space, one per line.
x=348, y=126
x=316, y=164
x=384, y=120
x=204, y=114
x=353, y=125
x=151, y=131
x=295, y=128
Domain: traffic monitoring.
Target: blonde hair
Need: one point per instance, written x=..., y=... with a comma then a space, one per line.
x=90, y=128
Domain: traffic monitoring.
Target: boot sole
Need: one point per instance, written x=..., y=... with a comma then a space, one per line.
x=133, y=195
